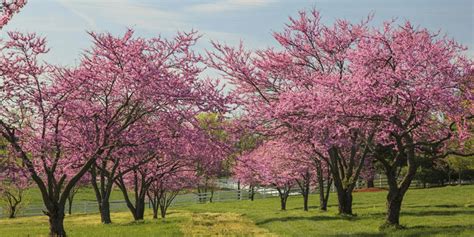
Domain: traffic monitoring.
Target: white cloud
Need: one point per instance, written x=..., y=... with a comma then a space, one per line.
x=150, y=17
x=228, y=5
x=89, y=20
x=125, y=12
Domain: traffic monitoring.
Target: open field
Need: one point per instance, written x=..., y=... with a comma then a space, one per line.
x=447, y=211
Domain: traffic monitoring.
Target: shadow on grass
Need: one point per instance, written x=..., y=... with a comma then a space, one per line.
x=437, y=213
x=422, y=213
x=298, y=218
x=311, y=208
x=439, y=206
x=453, y=230
x=417, y=231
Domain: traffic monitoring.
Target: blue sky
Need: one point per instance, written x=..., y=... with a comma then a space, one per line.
x=65, y=22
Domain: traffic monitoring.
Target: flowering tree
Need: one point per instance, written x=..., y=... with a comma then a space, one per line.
x=414, y=84
x=55, y=118
x=32, y=121
x=171, y=67
x=140, y=180
x=8, y=8
x=209, y=152
x=177, y=150
x=301, y=91
x=270, y=164
x=14, y=181
x=368, y=172
x=246, y=171
x=352, y=92
x=163, y=190
x=306, y=173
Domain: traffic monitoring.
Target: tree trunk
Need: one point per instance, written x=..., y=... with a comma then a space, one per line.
x=252, y=193
x=139, y=209
x=397, y=189
x=283, y=202
x=69, y=208
x=12, y=212
x=459, y=178
x=449, y=177
x=105, y=212
x=394, y=205
x=163, y=210
x=370, y=183
x=154, y=206
x=394, y=200
x=283, y=193
x=239, y=195
x=344, y=197
x=305, y=201
x=70, y=199
x=323, y=198
x=56, y=223
x=102, y=193
x=305, y=188
x=212, y=195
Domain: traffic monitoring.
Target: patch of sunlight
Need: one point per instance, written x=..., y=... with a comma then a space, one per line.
x=221, y=224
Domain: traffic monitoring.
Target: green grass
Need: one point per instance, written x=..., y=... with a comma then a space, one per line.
x=89, y=225
x=436, y=211
x=447, y=211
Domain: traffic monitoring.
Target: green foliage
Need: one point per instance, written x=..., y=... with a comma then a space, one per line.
x=460, y=163
x=212, y=123
x=446, y=211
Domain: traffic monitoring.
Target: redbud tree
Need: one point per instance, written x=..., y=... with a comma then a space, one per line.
x=8, y=8
x=413, y=83
x=299, y=91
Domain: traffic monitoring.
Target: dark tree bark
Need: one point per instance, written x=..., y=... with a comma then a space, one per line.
x=345, y=171
x=153, y=197
x=103, y=177
x=323, y=193
x=12, y=212
x=70, y=199
x=141, y=185
x=392, y=162
x=459, y=177
x=394, y=205
x=56, y=222
x=69, y=202
x=165, y=201
x=283, y=193
x=13, y=198
x=239, y=197
x=304, y=184
x=212, y=195
x=251, y=192
x=370, y=183
x=344, y=199
x=305, y=202
x=102, y=190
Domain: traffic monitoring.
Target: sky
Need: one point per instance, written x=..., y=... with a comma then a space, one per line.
x=65, y=22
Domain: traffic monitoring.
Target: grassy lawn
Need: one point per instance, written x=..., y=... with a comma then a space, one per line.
x=445, y=211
